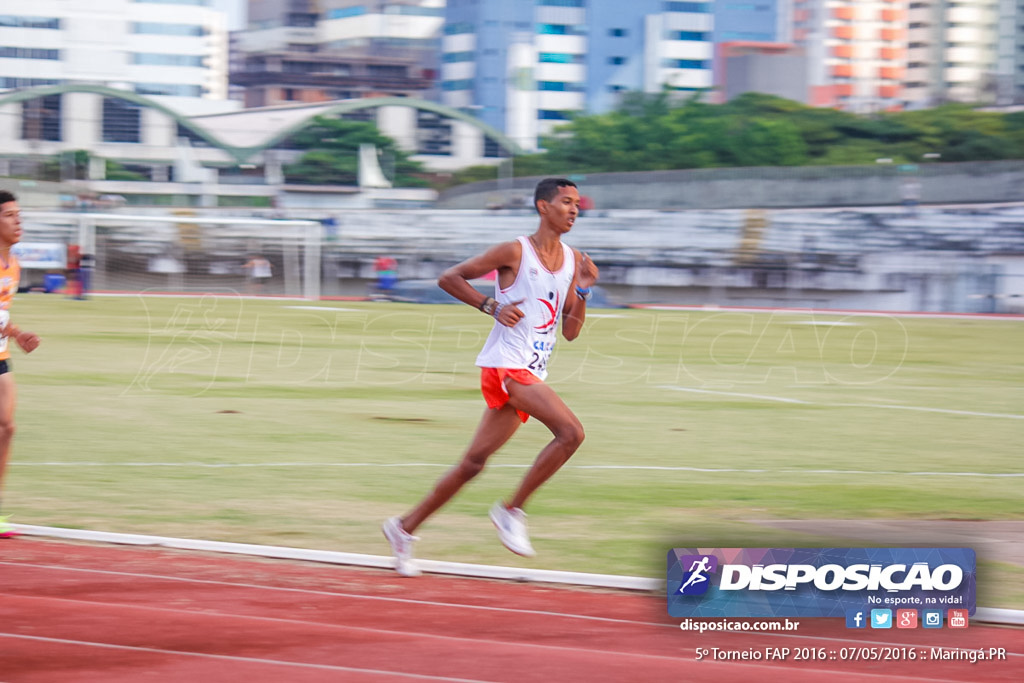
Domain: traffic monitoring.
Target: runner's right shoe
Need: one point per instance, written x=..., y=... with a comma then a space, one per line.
x=511, y=525
x=401, y=546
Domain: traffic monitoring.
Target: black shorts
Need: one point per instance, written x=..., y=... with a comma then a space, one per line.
x=5, y=367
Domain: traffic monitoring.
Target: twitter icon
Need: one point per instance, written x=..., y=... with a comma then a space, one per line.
x=881, y=618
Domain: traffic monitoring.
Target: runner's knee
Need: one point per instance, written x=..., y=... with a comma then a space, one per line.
x=570, y=435
x=469, y=468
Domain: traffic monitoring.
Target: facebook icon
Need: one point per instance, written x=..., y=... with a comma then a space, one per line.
x=856, y=618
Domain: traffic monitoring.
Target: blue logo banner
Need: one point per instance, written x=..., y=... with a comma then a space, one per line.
x=818, y=582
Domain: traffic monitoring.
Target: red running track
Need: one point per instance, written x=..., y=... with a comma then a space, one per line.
x=115, y=614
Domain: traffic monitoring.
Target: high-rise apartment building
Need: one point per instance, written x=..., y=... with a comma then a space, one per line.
x=163, y=48
x=524, y=67
x=317, y=50
x=856, y=51
x=764, y=21
x=964, y=51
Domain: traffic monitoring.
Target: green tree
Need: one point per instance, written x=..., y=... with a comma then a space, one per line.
x=652, y=132
x=332, y=156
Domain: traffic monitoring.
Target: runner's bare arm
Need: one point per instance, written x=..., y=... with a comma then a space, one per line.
x=574, y=313
x=28, y=341
x=502, y=257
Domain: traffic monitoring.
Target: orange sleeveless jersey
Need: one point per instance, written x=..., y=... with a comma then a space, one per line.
x=10, y=275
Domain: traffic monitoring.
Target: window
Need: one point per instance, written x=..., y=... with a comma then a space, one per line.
x=559, y=86
x=463, y=84
x=686, y=64
x=450, y=57
x=386, y=70
x=492, y=150
x=689, y=35
x=618, y=32
x=616, y=60
x=10, y=21
x=693, y=7
x=162, y=29
x=433, y=133
x=11, y=82
x=29, y=53
x=552, y=115
x=559, y=58
x=553, y=29
x=122, y=121
x=173, y=89
x=160, y=59
x=193, y=138
x=562, y=3
x=343, y=12
x=461, y=27
x=41, y=119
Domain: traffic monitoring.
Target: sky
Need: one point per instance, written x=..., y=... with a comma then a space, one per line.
x=235, y=10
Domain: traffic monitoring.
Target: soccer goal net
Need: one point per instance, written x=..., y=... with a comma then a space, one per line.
x=176, y=252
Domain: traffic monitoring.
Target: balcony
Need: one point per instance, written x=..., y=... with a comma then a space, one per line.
x=891, y=73
x=842, y=71
x=843, y=32
x=889, y=91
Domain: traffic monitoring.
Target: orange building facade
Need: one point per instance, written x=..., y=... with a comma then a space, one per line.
x=856, y=51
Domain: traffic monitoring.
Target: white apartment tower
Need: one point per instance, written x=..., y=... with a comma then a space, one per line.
x=163, y=48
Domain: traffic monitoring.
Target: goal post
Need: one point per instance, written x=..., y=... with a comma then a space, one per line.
x=178, y=251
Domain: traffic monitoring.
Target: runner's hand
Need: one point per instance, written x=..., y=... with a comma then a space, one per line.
x=588, y=272
x=509, y=314
x=28, y=341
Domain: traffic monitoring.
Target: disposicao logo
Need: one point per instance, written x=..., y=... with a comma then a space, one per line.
x=697, y=578
x=837, y=582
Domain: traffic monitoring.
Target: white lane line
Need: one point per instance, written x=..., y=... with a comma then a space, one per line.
x=521, y=466
x=991, y=615
x=236, y=658
x=360, y=629
x=845, y=313
x=887, y=406
x=762, y=397
x=322, y=308
x=255, y=660
x=335, y=594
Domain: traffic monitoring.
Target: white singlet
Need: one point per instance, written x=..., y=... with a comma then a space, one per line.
x=528, y=345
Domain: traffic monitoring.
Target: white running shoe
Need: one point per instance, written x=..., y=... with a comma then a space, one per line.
x=401, y=546
x=511, y=525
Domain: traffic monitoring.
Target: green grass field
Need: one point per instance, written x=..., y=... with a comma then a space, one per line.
x=269, y=422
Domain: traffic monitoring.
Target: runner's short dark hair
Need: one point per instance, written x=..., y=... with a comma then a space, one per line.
x=6, y=196
x=547, y=189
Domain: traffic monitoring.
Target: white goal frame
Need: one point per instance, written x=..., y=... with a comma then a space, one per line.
x=306, y=235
